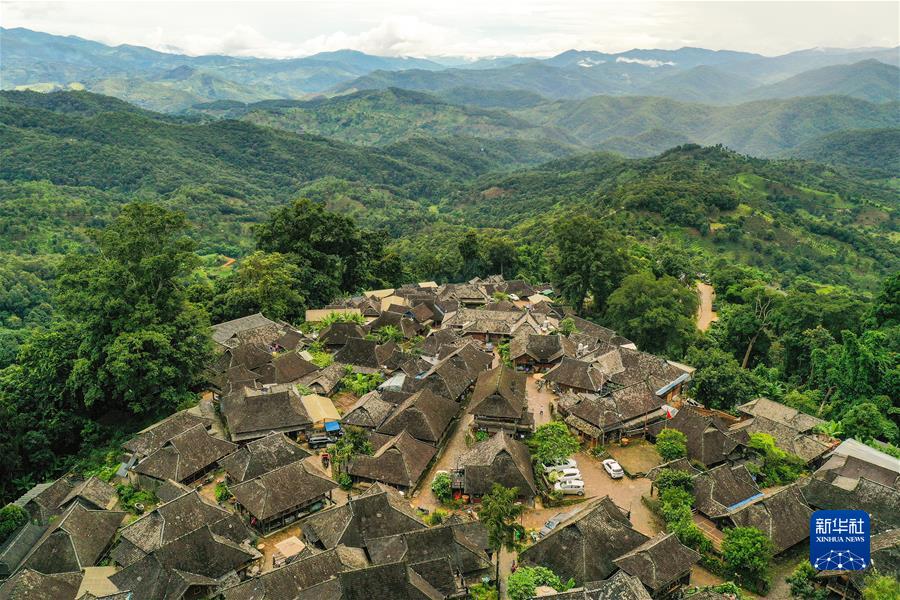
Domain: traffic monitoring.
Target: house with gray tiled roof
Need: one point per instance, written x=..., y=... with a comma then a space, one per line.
x=399, y=461
x=77, y=540
x=662, y=564
x=499, y=459
x=184, y=458
x=499, y=402
x=251, y=414
x=261, y=456
x=173, y=520
x=28, y=583
x=282, y=495
x=783, y=517
x=378, y=512
x=585, y=546
x=793, y=431
x=369, y=412
x=424, y=415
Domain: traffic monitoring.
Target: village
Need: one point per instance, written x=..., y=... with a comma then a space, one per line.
x=351, y=457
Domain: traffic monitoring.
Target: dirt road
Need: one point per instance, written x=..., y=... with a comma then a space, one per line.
x=706, y=315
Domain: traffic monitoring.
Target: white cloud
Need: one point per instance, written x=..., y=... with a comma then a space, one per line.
x=647, y=62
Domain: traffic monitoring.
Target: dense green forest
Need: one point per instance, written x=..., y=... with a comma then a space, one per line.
x=803, y=256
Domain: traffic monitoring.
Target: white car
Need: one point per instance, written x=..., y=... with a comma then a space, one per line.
x=568, y=475
x=566, y=463
x=613, y=468
x=571, y=486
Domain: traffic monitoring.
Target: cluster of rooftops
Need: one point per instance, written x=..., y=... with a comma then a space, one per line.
x=267, y=396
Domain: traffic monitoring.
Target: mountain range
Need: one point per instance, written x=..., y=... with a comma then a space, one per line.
x=172, y=82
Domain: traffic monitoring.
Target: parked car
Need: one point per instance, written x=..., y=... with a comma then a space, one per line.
x=571, y=486
x=552, y=523
x=568, y=475
x=613, y=468
x=566, y=463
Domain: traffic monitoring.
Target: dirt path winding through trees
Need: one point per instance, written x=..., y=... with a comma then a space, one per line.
x=706, y=315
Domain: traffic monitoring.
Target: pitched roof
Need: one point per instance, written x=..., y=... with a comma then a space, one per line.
x=499, y=459
x=400, y=461
x=28, y=584
x=289, y=582
x=326, y=378
x=199, y=558
x=185, y=455
x=76, y=541
x=541, y=348
x=621, y=586
x=585, y=546
x=708, y=438
x=379, y=511
x=783, y=517
x=359, y=353
x=791, y=429
x=338, y=333
x=369, y=411
x=500, y=393
x=282, y=489
x=445, y=541
x=17, y=546
x=723, y=489
x=248, y=411
x=621, y=405
x=830, y=491
x=95, y=492
x=658, y=562
x=290, y=367
x=155, y=437
x=424, y=415
x=262, y=455
x=222, y=332
x=576, y=374
x=176, y=519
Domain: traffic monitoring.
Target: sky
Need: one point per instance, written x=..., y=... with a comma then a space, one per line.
x=466, y=28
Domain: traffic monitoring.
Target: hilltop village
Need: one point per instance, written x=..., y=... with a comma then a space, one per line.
x=365, y=454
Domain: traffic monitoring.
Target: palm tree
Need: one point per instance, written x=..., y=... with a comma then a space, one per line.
x=499, y=513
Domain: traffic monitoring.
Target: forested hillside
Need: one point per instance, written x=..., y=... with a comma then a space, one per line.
x=634, y=126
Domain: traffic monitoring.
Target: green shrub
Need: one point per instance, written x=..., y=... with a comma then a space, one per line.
x=441, y=487
x=11, y=518
x=482, y=591
x=360, y=384
x=747, y=553
x=345, y=481
x=436, y=518
x=525, y=580
x=553, y=441
x=803, y=583
x=778, y=467
x=673, y=478
x=671, y=444
x=130, y=497
x=222, y=492
x=482, y=436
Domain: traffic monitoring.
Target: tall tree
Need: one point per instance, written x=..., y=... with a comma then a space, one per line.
x=656, y=314
x=591, y=260
x=143, y=345
x=499, y=512
x=263, y=282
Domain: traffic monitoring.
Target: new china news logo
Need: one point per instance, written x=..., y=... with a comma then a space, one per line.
x=839, y=540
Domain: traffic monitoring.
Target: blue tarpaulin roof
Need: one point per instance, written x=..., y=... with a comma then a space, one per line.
x=332, y=426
